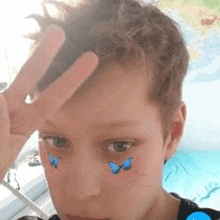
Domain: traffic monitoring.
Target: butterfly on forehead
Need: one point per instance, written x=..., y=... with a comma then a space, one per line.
x=126, y=165
x=54, y=161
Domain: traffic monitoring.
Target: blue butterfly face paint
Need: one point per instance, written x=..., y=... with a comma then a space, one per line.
x=126, y=165
x=54, y=161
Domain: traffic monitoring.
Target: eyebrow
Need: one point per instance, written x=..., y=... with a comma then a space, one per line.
x=111, y=125
x=107, y=125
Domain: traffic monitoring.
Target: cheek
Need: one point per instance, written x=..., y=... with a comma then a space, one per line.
x=52, y=174
x=125, y=180
x=44, y=156
x=146, y=173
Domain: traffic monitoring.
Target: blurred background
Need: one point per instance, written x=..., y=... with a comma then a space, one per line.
x=194, y=171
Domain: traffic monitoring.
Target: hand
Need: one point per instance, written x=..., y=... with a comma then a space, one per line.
x=18, y=120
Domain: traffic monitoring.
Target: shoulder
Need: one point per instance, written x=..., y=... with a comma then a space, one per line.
x=189, y=210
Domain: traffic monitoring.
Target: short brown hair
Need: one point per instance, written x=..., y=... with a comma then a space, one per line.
x=121, y=29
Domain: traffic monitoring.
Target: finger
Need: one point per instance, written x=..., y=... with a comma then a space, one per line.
x=62, y=89
x=36, y=66
x=4, y=122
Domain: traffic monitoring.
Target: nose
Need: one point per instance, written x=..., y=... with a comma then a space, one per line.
x=84, y=175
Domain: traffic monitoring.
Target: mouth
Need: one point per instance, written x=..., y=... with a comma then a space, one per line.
x=80, y=218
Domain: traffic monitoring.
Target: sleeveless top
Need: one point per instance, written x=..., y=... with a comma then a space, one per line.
x=188, y=211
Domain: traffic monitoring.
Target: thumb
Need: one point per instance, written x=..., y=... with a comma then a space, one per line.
x=4, y=136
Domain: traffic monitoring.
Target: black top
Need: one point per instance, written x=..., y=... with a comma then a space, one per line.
x=191, y=211
x=188, y=211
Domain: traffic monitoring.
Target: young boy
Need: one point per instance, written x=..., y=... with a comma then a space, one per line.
x=133, y=97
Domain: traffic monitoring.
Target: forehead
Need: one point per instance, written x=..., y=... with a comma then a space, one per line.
x=112, y=94
x=111, y=85
x=111, y=78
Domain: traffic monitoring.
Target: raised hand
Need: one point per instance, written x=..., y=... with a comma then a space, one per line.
x=18, y=120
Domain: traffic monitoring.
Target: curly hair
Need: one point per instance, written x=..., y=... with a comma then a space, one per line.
x=122, y=30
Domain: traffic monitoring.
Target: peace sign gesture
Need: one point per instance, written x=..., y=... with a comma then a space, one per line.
x=18, y=120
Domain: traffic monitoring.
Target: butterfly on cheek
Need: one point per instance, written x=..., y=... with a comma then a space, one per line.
x=54, y=161
x=126, y=165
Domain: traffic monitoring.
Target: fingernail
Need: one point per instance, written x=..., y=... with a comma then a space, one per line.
x=58, y=36
x=93, y=58
x=54, y=29
x=51, y=28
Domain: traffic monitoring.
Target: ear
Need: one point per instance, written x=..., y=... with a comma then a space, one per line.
x=173, y=139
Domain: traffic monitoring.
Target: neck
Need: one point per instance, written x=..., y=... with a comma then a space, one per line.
x=165, y=207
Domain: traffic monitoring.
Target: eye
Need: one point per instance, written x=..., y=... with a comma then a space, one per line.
x=56, y=142
x=119, y=146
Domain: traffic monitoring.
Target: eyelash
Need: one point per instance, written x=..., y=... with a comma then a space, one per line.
x=50, y=137
x=110, y=143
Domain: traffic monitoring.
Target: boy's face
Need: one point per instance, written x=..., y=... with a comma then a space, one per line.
x=107, y=119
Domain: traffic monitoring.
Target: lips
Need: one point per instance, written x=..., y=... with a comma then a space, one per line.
x=80, y=218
